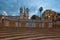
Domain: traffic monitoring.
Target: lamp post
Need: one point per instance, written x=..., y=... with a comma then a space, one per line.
x=41, y=9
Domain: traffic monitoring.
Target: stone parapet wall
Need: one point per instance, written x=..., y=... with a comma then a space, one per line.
x=28, y=23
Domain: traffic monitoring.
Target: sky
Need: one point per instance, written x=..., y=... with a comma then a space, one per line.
x=11, y=7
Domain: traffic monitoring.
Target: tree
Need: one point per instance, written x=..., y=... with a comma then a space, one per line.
x=33, y=17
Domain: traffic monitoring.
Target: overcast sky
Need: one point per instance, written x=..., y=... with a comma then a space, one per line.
x=11, y=7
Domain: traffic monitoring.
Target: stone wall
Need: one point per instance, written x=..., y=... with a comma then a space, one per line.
x=28, y=23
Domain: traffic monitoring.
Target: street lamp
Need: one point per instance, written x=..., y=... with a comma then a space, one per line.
x=41, y=9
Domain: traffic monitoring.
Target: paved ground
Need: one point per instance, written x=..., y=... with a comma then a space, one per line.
x=29, y=34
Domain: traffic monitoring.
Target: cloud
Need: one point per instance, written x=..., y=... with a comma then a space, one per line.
x=4, y=13
x=13, y=14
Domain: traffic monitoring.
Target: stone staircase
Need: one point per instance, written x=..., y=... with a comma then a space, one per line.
x=29, y=34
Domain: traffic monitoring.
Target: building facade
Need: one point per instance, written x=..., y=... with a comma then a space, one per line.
x=27, y=23
x=23, y=21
